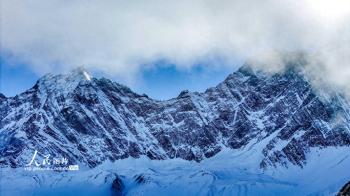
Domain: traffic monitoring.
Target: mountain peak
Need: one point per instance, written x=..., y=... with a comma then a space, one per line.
x=80, y=72
x=64, y=83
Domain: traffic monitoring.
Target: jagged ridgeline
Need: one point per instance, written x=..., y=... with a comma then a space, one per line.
x=90, y=120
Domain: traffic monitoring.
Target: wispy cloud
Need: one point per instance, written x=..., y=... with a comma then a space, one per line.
x=120, y=36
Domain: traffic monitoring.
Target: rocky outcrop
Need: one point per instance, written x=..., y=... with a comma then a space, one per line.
x=345, y=190
x=141, y=179
x=2, y=97
x=117, y=187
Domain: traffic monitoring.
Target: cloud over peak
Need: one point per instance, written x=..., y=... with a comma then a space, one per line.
x=120, y=37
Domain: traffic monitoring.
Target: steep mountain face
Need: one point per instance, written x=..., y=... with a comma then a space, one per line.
x=91, y=120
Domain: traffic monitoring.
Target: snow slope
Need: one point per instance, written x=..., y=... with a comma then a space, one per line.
x=229, y=173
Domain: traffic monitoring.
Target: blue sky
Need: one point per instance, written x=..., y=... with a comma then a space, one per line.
x=162, y=81
x=15, y=79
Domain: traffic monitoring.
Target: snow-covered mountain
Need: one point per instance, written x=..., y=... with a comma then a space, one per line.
x=92, y=120
x=278, y=119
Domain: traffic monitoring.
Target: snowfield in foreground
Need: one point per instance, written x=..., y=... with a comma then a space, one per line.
x=229, y=173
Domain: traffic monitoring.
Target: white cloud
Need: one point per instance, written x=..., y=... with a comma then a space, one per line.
x=119, y=37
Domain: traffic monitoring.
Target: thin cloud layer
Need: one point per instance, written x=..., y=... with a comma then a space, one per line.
x=120, y=37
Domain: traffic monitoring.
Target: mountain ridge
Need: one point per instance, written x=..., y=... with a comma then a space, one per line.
x=91, y=120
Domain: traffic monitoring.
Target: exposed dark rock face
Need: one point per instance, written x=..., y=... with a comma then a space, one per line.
x=141, y=179
x=2, y=96
x=117, y=187
x=89, y=121
x=345, y=190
